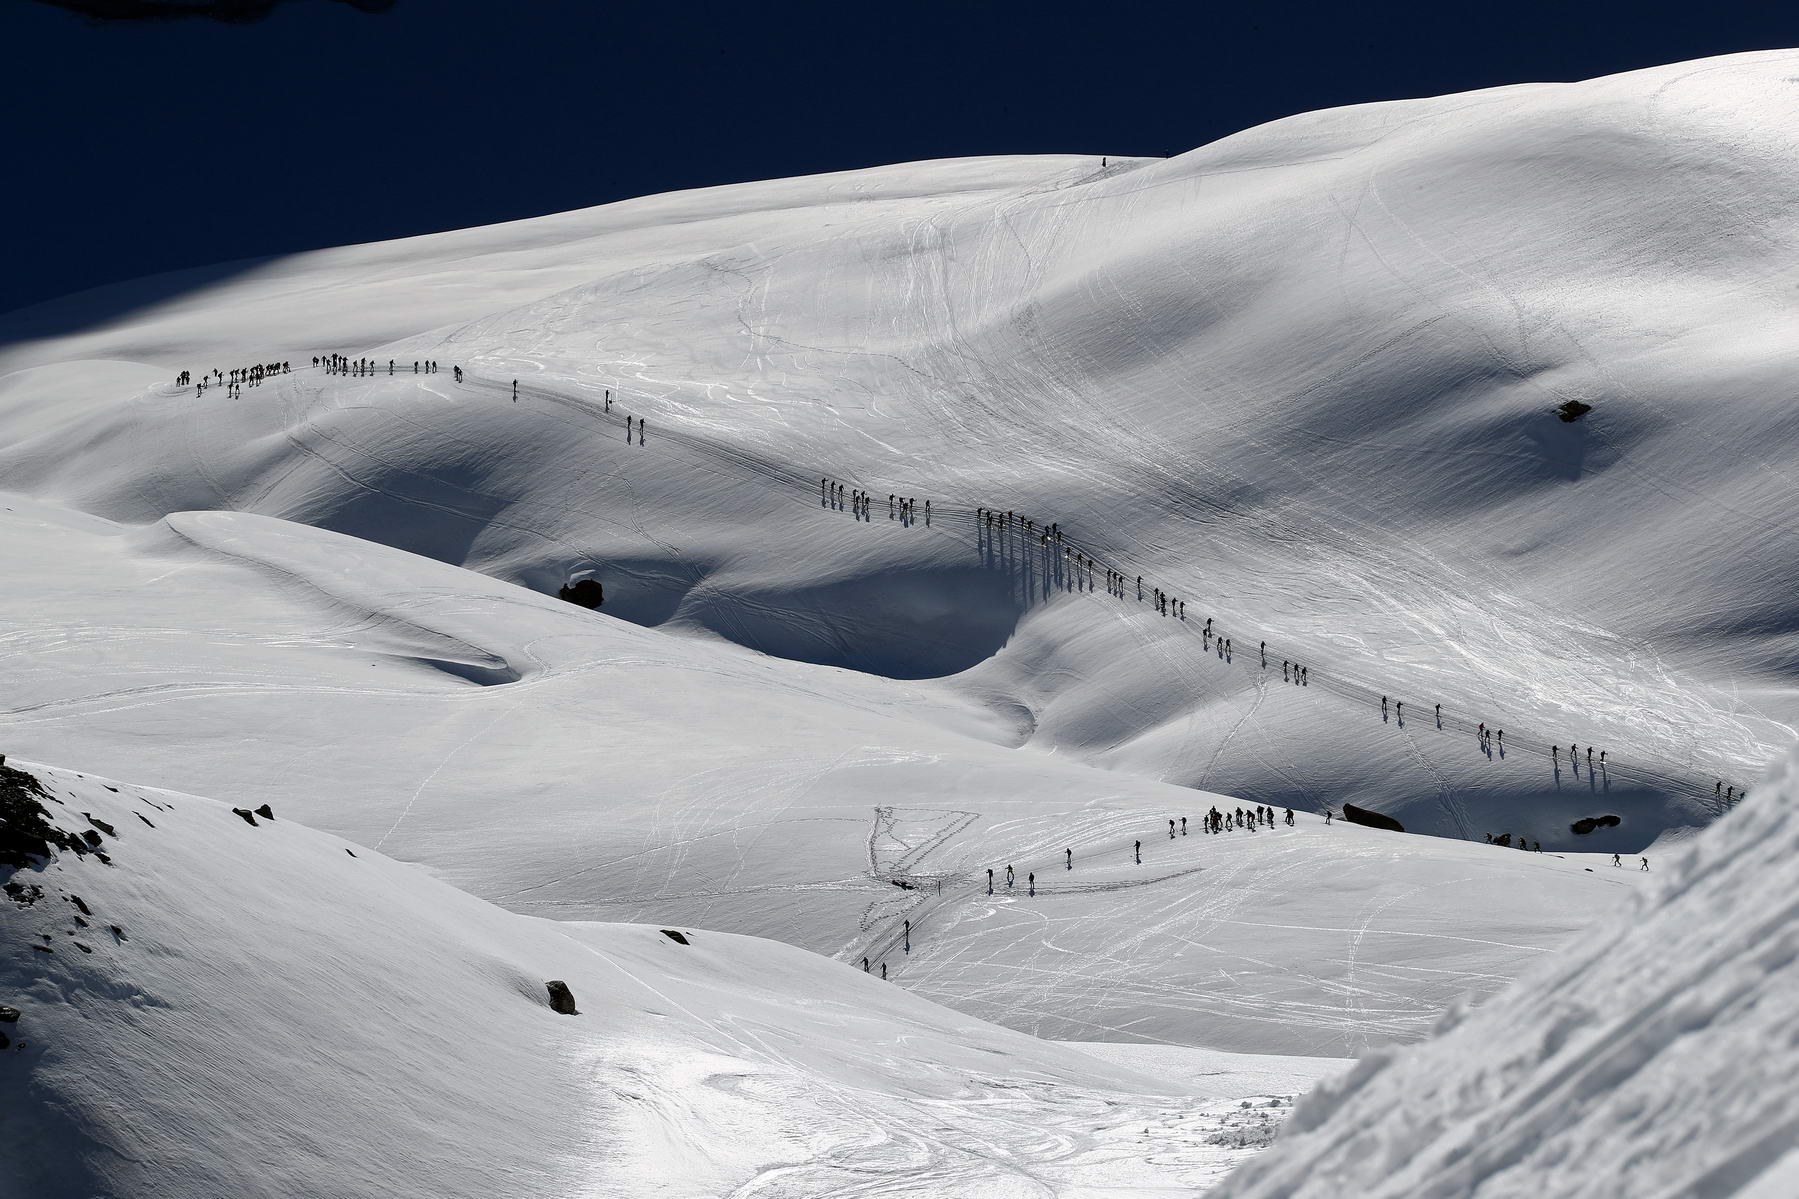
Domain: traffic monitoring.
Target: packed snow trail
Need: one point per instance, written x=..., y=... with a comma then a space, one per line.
x=1052, y=570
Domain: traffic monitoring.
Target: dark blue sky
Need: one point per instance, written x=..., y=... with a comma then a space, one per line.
x=139, y=148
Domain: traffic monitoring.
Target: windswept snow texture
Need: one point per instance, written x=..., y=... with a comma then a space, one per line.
x=1301, y=379
x=1655, y=1057
x=246, y=1010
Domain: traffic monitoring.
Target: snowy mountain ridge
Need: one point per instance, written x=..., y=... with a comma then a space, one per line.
x=1316, y=536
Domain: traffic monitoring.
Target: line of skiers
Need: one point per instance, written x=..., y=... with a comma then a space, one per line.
x=235, y=380
x=338, y=364
x=1215, y=821
x=860, y=504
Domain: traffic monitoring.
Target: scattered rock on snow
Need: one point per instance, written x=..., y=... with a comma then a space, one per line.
x=25, y=833
x=249, y=817
x=24, y=894
x=678, y=938
x=8, y=1015
x=561, y=998
x=266, y=812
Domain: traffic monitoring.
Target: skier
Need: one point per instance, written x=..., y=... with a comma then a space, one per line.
x=1171, y=830
x=1070, y=862
x=515, y=391
x=1645, y=863
x=1183, y=826
x=1289, y=817
x=1327, y=815
x=989, y=880
x=1008, y=874
x=1139, y=851
x=1615, y=861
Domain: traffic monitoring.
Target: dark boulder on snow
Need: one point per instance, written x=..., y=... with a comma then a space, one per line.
x=266, y=812
x=8, y=1015
x=1363, y=816
x=679, y=938
x=588, y=593
x=1587, y=824
x=561, y=998
x=248, y=815
x=104, y=827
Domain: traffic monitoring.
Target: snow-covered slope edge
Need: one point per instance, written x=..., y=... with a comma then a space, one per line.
x=213, y=1008
x=1660, y=1057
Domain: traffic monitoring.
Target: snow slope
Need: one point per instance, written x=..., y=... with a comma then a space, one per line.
x=1655, y=1056
x=1299, y=378
x=228, y=1010
x=500, y=737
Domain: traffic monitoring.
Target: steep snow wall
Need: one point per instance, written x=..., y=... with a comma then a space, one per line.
x=1656, y=1056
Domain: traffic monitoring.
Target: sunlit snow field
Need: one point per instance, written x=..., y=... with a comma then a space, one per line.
x=1301, y=379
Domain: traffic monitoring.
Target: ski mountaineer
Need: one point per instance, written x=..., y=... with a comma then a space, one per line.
x=515, y=391
x=1139, y=852
x=1171, y=830
x=1070, y=853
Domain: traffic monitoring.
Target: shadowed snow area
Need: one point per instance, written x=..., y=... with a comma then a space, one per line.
x=1302, y=380
x=228, y=1008
x=1654, y=1056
